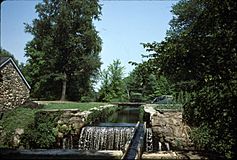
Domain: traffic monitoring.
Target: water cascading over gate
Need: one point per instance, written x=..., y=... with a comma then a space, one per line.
x=148, y=140
x=105, y=138
x=151, y=145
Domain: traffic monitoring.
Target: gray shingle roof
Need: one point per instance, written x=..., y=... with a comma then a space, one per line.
x=3, y=59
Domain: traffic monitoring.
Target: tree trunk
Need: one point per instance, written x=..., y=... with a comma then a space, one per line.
x=64, y=87
x=128, y=93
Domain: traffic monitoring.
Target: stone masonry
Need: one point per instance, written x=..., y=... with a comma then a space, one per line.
x=13, y=90
x=168, y=127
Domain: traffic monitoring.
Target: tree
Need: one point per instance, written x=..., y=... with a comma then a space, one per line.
x=65, y=48
x=163, y=87
x=104, y=92
x=137, y=82
x=5, y=53
x=113, y=87
x=199, y=54
x=144, y=84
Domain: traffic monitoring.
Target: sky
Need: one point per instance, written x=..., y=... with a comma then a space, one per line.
x=123, y=26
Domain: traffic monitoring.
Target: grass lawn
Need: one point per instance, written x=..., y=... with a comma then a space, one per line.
x=17, y=118
x=11, y=120
x=72, y=105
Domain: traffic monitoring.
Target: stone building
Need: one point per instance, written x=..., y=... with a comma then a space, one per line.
x=14, y=89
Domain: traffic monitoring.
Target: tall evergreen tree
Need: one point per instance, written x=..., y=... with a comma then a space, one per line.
x=64, y=52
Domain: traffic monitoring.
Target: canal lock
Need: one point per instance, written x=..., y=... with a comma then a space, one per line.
x=116, y=133
x=101, y=133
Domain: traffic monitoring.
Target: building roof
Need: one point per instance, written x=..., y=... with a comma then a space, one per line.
x=2, y=60
x=5, y=60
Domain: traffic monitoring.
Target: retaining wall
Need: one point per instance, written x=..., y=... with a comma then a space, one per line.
x=167, y=126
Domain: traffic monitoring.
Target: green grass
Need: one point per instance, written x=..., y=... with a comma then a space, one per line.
x=17, y=118
x=80, y=106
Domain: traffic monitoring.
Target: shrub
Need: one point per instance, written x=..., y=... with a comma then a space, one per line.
x=201, y=137
x=213, y=113
x=136, y=97
x=41, y=133
x=86, y=99
x=19, y=117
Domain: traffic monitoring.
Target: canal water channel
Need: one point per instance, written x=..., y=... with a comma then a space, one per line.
x=113, y=133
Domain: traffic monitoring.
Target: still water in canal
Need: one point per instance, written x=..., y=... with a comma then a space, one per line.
x=125, y=116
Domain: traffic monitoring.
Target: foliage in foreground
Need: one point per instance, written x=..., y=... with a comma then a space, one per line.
x=40, y=133
x=16, y=118
x=216, y=123
x=199, y=53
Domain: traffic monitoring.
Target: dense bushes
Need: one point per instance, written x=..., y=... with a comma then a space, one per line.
x=40, y=133
x=199, y=52
x=213, y=113
x=17, y=118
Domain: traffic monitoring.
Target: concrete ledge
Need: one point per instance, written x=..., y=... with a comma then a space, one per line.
x=51, y=154
x=160, y=155
x=181, y=155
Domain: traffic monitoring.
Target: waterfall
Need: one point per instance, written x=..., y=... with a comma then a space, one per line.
x=163, y=146
x=167, y=146
x=149, y=142
x=104, y=138
x=159, y=146
x=64, y=143
x=67, y=142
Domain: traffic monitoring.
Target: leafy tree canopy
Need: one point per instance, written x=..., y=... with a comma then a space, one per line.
x=63, y=56
x=199, y=55
x=144, y=84
x=5, y=53
x=112, y=84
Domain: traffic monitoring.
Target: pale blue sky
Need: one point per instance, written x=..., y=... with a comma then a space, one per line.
x=123, y=26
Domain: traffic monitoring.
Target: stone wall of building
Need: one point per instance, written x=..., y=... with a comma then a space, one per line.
x=13, y=91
